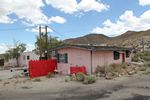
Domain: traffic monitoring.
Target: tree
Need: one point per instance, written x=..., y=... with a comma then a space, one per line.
x=15, y=52
x=52, y=43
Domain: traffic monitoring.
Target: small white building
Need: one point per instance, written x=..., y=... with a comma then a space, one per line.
x=24, y=59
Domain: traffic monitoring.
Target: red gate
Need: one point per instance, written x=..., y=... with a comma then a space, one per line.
x=41, y=67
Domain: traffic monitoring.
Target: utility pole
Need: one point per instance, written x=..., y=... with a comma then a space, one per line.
x=40, y=44
x=46, y=33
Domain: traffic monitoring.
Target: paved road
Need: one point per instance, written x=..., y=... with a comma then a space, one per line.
x=130, y=88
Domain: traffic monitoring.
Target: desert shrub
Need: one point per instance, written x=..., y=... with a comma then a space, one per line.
x=123, y=65
x=146, y=53
x=50, y=75
x=148, y=64
x=80, y=76
x=143, y=68
x=145, y=65
x=110, y=68
x=114, y=67
x=143, y=55
x=146, y=58
x=73, y=77
x=67, y=79
x=90, y=79
x=135, y=58
x=100, y=69
x=37, y=80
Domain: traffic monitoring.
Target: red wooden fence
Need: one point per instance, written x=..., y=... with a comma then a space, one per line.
x=41, y=67
x=76, y=69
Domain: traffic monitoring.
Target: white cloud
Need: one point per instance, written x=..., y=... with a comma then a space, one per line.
x=30, y=47
x=88, y=5
x=27, y=10
x=126, y=21
x=67, y=6
x=5, y=19
x=144, y=2
x=57, y=19
x=72, y=6
x=4, y=47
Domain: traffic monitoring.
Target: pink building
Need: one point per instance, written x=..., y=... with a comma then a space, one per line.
x=90, y=56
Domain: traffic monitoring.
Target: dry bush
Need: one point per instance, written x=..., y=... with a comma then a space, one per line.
x=37, y=80
x=90, y=79
x=50, y=75
x=80, y=76
x=100, y=69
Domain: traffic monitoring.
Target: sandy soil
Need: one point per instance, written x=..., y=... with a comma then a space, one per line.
x=136, y=87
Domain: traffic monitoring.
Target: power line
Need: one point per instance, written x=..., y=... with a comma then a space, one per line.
x=21, y=28
x=57, y=32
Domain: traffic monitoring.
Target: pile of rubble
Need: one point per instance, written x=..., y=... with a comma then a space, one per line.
x=117, y=70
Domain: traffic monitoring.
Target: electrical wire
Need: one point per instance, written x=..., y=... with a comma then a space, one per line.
x=57, y=32
x=21, y=28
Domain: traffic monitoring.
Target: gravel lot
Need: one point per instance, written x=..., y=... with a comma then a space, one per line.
x=136, y=87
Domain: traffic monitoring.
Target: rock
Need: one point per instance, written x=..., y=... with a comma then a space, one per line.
x=132, y=72
x=109, y=76
x=102, y=75
x=142, y=68
x=137, y=63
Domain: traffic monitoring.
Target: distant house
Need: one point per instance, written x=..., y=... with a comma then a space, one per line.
x=90, y=56
x=23, y=59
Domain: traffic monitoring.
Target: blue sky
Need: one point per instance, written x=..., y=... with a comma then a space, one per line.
x=19, y=19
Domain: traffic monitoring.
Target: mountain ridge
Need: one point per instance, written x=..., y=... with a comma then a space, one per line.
x=127, y=39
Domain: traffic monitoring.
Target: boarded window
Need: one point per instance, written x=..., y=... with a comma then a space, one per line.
x=128, y=53
x=63, y=58
x=116, y=55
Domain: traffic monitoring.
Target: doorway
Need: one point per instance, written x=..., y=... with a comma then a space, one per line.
x=123, y=57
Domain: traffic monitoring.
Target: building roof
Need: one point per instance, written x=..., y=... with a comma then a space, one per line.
x=94, y=47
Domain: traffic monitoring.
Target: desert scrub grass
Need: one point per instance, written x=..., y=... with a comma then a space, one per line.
x=142, y=68
x=124, y=65
x=114, y=68
x=100, y=69
x=67, y=79
x=37, y=80
x=50, y=75
x=80, y=76
x=148, y=64
x=142, y=55
x=73, y=77
x=135, y=58
x=90, y=79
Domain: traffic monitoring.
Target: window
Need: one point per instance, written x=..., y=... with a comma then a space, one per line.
x=128, y=53
x=116, y=55
x=62, y=58
x=28, y=57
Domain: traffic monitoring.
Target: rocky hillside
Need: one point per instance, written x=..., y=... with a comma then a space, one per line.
x=89, y=39
x=133, y=39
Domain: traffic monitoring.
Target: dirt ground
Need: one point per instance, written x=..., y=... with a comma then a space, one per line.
x=135, y=87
